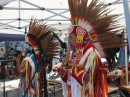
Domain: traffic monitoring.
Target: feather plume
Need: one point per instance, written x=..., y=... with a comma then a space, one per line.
x=103, y=28
x=40, y=33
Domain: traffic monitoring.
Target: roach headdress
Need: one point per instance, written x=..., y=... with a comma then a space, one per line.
x=91, y=21
x=38, y=36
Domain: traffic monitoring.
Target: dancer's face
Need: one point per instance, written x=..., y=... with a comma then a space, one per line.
x=24, y=51
x=72, y=40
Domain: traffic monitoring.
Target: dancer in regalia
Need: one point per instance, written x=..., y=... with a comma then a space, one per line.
x=38, y=38
x=92, y=31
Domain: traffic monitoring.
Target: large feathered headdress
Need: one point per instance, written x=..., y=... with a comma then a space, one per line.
x=38, y=36
x=91, y=21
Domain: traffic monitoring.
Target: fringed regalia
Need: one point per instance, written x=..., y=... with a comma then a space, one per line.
x=95, y=31
x=73, y=83
x=29, y=65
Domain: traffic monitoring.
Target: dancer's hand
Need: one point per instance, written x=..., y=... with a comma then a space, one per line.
x=19, y=58
x=18, y=61
x=59, y=69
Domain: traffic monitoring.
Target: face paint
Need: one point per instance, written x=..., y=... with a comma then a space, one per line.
x=25, y=49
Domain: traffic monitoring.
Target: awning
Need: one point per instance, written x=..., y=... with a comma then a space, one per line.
x=5, y=2
x=11, y=37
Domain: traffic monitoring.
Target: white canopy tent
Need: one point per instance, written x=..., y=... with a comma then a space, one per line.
x=5, y=2
x=20, y=15
x=15, y=15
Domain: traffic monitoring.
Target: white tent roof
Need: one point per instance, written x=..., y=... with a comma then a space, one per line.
x=15, y=14
x=5, y=2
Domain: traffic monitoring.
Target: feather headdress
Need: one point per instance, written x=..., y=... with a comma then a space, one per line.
x=101, y=27
x=39, y=35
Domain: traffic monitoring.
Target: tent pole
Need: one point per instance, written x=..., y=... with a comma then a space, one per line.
x=25, y=34
x=126, y=60
x=19, y=19
x=127, y=20
x=25, y=1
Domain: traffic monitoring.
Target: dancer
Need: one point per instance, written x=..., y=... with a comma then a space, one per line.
x=92, y=31
x=38, y=38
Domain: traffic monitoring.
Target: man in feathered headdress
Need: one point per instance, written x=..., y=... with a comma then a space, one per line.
x=38, y=38
x=92, y=31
